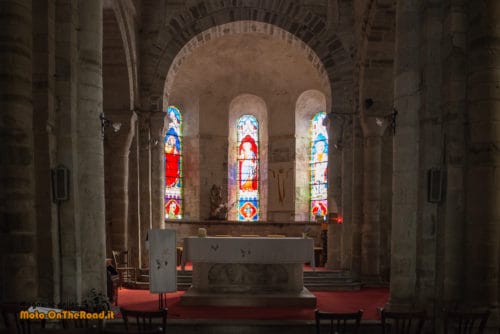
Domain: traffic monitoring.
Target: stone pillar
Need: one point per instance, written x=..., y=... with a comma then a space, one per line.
x=454, y=95
x=373, y=129
x=347, y=191
x=68, y=276
x=133, y=200
x=144, y=141
x=482, y=212
x=117, y=148
x=357, y=197
x=44, y=141
x=335, y=190
x=157, y=169
x=19, y=279
x=430, y=148
x=90, y=146
x=407, y=100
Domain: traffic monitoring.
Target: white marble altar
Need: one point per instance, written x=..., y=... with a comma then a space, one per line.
x=248, y=271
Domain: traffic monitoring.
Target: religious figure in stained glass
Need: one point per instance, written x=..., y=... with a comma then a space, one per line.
x=248, y=164
x=173, y=165
x=319, y=167
x=248, y=168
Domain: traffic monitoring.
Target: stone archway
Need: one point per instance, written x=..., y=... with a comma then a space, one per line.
x=333, y=48
x=272, y=81
x=242, y=27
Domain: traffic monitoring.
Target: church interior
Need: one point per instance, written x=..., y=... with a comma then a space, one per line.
x=362, y=133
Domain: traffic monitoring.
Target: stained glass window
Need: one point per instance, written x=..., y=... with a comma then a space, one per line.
x=173, y=165
x=319, y=167
x=248, y=168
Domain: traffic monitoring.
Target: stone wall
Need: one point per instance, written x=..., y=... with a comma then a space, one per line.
x=260, y=70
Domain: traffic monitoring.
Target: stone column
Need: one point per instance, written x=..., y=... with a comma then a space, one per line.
x=482, y=212
x=19, y=279
x=357, y=196
x=407, y=100
x=157, y=169
x=144, y=184
x=454, y=96
x=373, y=130
x=67, y=263
x=44, y=141
x=117, y=148
x=90, y=146
x=347, y=203
x=133, y=200
x=336, y=129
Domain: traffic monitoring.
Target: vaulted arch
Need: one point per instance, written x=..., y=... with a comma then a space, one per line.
x=333, y=47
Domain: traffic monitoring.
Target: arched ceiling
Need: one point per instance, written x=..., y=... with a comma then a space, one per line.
x=189, y=20
x=250, y=62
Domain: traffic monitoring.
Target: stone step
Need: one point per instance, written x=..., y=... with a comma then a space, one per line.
x=338, y=274
x=334, y=286
x=331, y=280
x=326, y=282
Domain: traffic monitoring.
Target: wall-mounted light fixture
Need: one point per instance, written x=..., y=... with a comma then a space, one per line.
x=343, y=117
x=391, y=118
x=380, y=120
x=105, y=123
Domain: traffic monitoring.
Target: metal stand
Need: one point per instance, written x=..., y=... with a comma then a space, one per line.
x=162, y=301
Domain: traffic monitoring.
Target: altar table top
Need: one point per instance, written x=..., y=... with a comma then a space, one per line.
x=248, y=250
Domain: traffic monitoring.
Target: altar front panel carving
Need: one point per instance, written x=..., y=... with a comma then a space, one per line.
x=248, y=271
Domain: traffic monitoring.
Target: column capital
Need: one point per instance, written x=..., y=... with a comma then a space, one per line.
x=125, y=117
x=152, y=101
x=122, y=137
x=157, y=124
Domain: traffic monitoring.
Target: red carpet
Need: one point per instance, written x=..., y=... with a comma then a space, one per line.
x=331, y=301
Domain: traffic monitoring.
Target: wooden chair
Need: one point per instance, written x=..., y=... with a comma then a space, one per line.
x=144, y=320
x=340, y=323
x=69, y=324
x=402, y=322
x=465, y=322
x=69, y=331
x=125, y=272
x=120, y=331
x=14, y=324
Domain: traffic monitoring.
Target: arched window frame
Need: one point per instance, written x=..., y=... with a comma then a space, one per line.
x=248, y=168
x=318, y=167
x=173, y=155
x=240, y=105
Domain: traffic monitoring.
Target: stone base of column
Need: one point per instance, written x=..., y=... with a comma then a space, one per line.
x=329, y=265
x=400, y=306
x=373, y=281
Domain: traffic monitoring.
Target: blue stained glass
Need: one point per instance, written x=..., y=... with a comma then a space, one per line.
x=318, y=167
x=173, y=165
x=248, y=168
